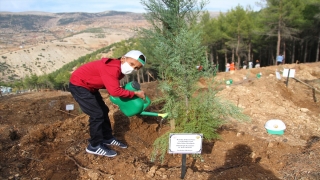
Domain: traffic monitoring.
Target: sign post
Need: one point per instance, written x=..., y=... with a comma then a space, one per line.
x=288, y=78
x=289, y=73
x=185, y=143
x=69, y=107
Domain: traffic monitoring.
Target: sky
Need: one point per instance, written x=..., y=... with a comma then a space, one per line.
x=93, y=6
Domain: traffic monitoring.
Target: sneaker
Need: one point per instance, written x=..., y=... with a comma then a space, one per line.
x=101, y=150
x=115, y=142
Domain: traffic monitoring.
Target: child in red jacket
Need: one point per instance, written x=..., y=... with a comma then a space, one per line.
x=84, y=86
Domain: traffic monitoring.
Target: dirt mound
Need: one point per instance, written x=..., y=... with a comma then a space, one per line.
x=41, y=140
x=268, y=98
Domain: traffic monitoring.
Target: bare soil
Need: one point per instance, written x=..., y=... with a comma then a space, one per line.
x=41, y=140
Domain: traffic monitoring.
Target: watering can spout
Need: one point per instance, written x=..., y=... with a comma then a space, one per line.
x=134, y=106
x=165, y=115
x=143, y=113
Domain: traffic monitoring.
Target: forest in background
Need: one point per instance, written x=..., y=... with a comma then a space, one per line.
x=287, y=27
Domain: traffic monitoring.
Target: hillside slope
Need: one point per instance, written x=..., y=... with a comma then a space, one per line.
x=268, y=98
x=40, y=43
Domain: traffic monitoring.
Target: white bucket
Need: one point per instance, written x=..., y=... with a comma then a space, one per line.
x=275, y=126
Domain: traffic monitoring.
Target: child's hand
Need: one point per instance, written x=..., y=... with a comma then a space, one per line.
x=140, y=94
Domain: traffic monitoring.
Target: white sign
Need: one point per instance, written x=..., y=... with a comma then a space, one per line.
x=278, y=75
x=286, y=71
x=185, y=143
x=69, y=107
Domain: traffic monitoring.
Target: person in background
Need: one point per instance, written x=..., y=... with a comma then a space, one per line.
x=250, y=64
x=227, y=67
x=232, y=67
x=244, y=65
x=84, y=86
x=199, y=68
x=279, y=59
x=257, y=65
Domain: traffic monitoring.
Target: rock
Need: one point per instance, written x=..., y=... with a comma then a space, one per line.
x=93, y=175
x=206, y=167
x=164, y=177
x=255, y=128
x=304, y=110
x=240, y=133
x=152, y=171
x=253, y=155
x=270, y=144
x=159, y=173
x=162, y=169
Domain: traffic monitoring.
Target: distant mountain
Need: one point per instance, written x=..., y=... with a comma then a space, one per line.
x=40, y=42
x=38, y=21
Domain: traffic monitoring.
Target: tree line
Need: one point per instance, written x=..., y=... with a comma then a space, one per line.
x=287, y=27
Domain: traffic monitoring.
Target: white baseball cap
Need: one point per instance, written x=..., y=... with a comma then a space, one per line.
x=137, y=55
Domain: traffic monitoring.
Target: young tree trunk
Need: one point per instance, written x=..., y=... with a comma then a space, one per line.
x=232, y=58
x=279, y=30
x=225, y=58
x=284, y=53
x=142, y=76
x=211, y=56
x=217, y=58
x=237, y=52
x=305, y=52
x=301, y=50
x=273, y=60
x=279, y=41
x=293, y=51
x=260, y=56
x=148, y=75
x=318, y=49
x=249, y=53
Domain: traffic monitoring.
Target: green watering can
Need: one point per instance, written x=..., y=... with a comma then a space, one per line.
x=134, y=106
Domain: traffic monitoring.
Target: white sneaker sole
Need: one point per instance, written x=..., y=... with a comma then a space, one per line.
x=116, y=143
x=100, y=152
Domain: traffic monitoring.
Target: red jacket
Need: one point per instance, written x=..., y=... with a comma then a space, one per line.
x=101, y=74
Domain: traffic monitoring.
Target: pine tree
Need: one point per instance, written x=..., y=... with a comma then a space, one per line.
x=281, y=17
x=177, y=50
